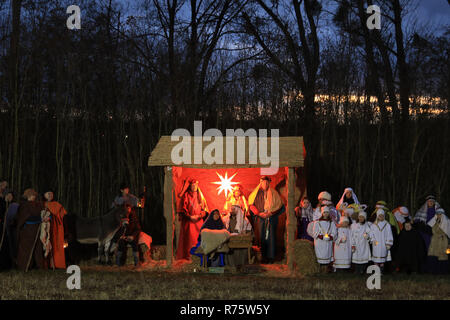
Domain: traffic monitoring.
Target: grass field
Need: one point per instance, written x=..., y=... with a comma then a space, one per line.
x=157, y=282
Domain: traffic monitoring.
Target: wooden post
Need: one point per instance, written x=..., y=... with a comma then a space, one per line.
x=290, y=218
x=168, y=214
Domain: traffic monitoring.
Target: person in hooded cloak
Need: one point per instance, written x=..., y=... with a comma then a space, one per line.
x=411, y=249
x=437, y=260
x=213, y=222
x=349, y=197
x=57, y=230
x=30, y=251
x=193, y=211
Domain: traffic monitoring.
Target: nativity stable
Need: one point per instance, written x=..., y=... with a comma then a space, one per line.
x=215, y=180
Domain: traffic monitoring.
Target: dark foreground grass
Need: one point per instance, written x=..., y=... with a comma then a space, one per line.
x=160, y=284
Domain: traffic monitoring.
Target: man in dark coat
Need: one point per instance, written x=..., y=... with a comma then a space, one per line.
x=410, y=250
x=30, y=250
x=129, y=231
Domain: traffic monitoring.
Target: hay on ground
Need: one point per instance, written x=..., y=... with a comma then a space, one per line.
x=158, y=252
x=304, y=257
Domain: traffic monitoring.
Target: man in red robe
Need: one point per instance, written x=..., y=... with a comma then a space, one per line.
x=193, y=210
x=57, y=230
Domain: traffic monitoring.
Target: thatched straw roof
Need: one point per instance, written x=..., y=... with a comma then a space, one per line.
x=291, y=153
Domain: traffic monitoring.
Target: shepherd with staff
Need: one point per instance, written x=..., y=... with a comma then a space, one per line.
x=33, y=244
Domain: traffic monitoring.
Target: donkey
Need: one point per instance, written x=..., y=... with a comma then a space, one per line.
x=99, y=230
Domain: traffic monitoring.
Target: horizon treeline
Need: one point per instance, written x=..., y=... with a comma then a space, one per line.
x=81, y=110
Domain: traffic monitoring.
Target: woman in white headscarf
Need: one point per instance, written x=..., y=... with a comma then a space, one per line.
x=349, y=197
x=437, y=260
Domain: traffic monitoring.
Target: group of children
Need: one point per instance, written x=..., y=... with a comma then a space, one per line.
x=346, y=237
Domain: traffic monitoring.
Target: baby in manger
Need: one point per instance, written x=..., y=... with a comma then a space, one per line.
x=241, y=233
x=236, y=222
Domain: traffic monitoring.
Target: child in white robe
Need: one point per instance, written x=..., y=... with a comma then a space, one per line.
x=343, y=245
x=381, y=239
x=323, y=231
x=361, y=243
x=323, y=198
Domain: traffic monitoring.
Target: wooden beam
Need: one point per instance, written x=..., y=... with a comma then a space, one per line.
x=168, y=214
x=291, y=223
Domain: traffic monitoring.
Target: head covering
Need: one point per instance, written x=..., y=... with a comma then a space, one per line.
x=29, y=192
x=404, y=211
x=242, y=223
x=401, y=213
x=325, y=209
x=349, y=211
x=381, y=205
x=363, y=214
x=444, y=224
x=355, y=198
x=422, y=213
x=324, y=195
x=380, y=212
x=201, y=198
x=343, y=219
x=273, y=201
x=212, y=224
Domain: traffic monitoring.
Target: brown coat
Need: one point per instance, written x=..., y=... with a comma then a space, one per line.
x=26, y=233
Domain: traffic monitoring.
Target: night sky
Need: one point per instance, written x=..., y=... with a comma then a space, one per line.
x=435, y=13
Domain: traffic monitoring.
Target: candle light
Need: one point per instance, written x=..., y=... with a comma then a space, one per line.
x=448, y=251
x=66, y=245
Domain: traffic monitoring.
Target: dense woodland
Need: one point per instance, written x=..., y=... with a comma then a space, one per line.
x=81, y=110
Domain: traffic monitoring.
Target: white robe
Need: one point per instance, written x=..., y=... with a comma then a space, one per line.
x=380, y=237
x=343, y=249
x=323, y=248
x=362, y=253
